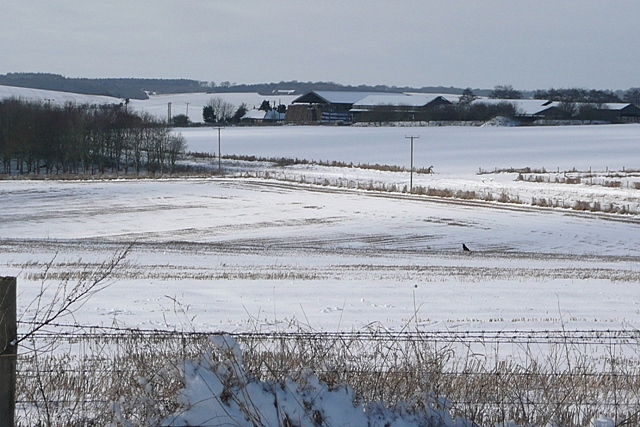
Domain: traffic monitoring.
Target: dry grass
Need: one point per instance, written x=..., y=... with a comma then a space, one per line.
x=567, y=379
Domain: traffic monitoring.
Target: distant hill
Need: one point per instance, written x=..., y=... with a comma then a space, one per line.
x=134, y=88
x=118, y=88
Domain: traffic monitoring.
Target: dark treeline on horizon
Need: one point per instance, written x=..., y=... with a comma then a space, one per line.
x=41, y=138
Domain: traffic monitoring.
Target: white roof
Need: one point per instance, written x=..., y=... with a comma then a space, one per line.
x=375, y=98
x=255, y=114
x=451, y=97
x=532, y=107
x=412, y=100
x=615, y=106
x=339, y=97
x=527, y=107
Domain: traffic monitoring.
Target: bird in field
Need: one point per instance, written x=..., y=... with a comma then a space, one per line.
x=465, y=248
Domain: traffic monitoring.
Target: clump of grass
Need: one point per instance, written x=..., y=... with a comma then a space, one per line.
x=581, y=205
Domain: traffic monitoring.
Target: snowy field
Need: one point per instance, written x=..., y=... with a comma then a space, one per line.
x=450, y=150
x=238, y=254
x=189, y=104
x=305, y=249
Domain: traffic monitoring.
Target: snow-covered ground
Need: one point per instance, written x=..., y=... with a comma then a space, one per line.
x=240, y=253
x=54, y=97
x=189, y=104
x=450, y=149
x=239, y=250
x=233, y=251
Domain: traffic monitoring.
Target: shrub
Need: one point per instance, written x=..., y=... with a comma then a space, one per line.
x=466, y=195
x=581, y=205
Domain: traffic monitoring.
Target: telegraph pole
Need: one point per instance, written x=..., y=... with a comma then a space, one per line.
x=219, y=152
x=412, y=137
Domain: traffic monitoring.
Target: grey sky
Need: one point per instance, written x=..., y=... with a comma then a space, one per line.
x=533, y=44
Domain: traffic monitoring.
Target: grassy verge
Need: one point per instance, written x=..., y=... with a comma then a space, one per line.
x=543, y=377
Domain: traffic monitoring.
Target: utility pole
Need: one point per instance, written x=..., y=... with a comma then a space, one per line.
x=219, y=152
x=412, y=137
x=169, y=113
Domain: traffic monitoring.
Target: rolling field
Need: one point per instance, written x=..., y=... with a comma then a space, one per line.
x=341, y=266
x=238, y=254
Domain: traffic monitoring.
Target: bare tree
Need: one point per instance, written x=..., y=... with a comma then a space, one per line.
x=467, y=97
x=632, y=96
x=177, y=147
x=221, y=109
x=505, y=92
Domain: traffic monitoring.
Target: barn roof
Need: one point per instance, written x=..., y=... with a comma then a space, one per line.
x=525, y=107
x=259, y=115
x=335, y=97
x=254, y=114
x=616, y=106
x=413, y=100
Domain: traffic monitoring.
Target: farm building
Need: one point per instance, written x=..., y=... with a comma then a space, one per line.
x=531, y=110
x=323, y=107
x=350, y=107
x=527, y=110
x=256, y=116
x=400, y=107
x=619, y=113
x=336, y=107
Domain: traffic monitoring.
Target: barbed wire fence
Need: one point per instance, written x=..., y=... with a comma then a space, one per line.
x=78, y=375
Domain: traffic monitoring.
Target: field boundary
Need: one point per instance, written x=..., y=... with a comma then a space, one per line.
x=566, y=376
x=287, y=184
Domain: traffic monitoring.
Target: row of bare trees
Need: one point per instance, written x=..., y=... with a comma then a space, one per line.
x=44, y=138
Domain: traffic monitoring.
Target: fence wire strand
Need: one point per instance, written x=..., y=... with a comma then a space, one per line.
x=530, y=377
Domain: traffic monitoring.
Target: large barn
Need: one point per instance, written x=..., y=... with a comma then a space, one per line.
x=400, y=107
x=349, y=107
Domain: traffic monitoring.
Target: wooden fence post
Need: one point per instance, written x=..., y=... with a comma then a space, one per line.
x=8, y=350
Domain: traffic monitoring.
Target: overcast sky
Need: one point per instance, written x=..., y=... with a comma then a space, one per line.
x=532, y=44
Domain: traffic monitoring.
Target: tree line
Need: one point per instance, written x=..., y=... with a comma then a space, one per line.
x=572, y=94
x=37, y=137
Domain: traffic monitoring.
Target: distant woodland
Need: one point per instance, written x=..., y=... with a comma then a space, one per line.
x=40, y=138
